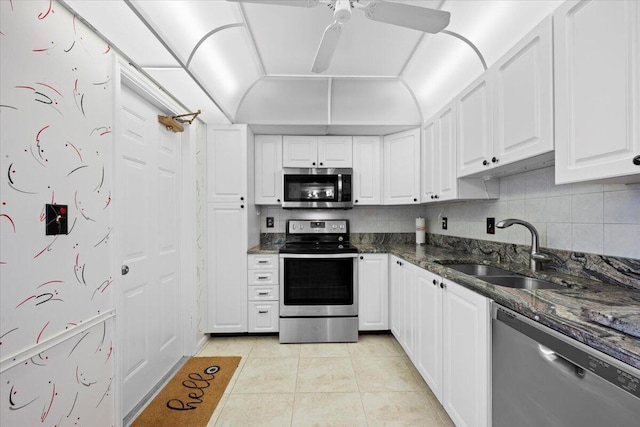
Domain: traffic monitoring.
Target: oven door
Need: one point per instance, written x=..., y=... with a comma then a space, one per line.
x=314, y=285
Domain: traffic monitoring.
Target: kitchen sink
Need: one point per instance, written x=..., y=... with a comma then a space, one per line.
x=521, y=282
x=480, y=270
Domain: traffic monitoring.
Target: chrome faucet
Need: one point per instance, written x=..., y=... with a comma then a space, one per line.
x=535, y=258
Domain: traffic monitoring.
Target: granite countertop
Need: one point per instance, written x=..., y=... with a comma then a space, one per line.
x=586, y=310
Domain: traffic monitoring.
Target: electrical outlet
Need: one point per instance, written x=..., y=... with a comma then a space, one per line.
x=491, y=226
x=444, y=222
x=269, y=222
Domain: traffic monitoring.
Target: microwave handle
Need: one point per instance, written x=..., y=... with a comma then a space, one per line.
x=339, y=187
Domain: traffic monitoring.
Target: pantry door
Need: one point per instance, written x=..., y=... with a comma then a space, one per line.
x=149, y=222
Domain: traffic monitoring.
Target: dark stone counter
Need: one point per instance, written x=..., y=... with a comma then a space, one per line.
x=576, y=311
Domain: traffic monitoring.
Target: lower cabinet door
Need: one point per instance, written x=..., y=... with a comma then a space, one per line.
x=263, y=316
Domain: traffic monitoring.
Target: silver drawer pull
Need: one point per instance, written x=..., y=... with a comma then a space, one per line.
x=263, y=292
x=263, y=311
x=263, y=277
x=263, y=261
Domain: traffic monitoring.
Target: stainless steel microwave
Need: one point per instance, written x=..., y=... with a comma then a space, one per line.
x=317, y=188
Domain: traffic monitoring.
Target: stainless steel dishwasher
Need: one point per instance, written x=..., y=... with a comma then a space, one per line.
x=543, y=378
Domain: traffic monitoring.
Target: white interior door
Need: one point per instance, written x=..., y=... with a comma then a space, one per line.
x=148, y=218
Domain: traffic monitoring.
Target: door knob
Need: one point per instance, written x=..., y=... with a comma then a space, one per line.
x=125, y=269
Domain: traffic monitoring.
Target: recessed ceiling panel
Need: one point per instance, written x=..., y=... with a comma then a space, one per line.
x=286, y=101
x=287, y=39
x=179, y=84
x=182, y=24
x=117, y=22
x=226, y=67
x=372, y=101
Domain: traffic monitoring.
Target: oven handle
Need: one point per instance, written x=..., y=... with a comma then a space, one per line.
x=333, y=256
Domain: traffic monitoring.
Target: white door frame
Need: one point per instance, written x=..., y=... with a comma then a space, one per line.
x=126, y=74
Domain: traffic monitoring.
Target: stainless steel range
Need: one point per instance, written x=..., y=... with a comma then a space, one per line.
x=318, y=277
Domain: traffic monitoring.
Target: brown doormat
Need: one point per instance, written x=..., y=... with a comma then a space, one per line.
x=191, y=396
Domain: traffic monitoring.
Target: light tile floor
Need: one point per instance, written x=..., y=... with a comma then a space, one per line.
x=368, y=383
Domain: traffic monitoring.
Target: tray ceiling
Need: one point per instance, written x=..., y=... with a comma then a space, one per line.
x=251, y=63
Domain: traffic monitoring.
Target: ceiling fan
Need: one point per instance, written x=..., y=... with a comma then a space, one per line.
x=404, y=15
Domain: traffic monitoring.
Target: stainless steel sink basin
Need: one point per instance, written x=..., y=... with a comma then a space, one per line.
x=480, y=270
x=521, y=282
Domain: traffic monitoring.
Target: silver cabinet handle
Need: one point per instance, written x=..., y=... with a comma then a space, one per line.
x=263, y=311
x=263, y=261
x=263, y=292
x=125, y=270
x=263, y=277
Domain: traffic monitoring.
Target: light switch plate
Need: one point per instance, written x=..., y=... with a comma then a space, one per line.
x=56, y=219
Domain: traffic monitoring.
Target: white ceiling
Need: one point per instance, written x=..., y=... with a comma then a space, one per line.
x=250, y=63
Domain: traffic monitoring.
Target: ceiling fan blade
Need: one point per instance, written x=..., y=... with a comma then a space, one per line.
x=405, y=15
x=327, y=47
x=296, y=3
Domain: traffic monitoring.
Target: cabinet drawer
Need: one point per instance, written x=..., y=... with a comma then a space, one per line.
x=263, y=293
x=262, y=277
x=263, y=261
x=264, y=316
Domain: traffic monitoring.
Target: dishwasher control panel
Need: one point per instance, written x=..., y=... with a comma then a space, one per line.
x=621, y=378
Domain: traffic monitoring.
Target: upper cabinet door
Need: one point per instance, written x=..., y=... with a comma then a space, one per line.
x=402, y=168
x=429, y=172
x=523, y=98
x=446, y=154
x=475, y=133
x=367, y=170
x=597, y=97
x=226, y=166
x=300, y=151
x=335, y=152
x=268, y=176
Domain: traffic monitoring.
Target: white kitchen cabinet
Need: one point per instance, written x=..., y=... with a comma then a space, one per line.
x=444, y=329
x=474, y=127
x=401, y=171
x=429, y=331
x=263, y=307
x=367, y=170
x=439, y=177
x=232, y=226
x=447, y=182
x=263, y=316
x=597, y=91
x=505, y=118
x=396, y=297
x=268, y=169
x=335, y=151
x=226, y=267
x=373, y=292
x=226, y=166
x=317, y=151
x=402, y=290
x=466, y=355
x=299, y=151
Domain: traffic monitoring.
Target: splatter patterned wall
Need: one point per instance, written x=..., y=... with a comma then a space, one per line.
x=56, y=292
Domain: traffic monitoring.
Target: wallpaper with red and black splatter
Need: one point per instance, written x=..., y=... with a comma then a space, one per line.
x=56, y=118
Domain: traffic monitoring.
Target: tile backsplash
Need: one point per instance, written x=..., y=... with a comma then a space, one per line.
x=363, y=219
x=600, y=219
